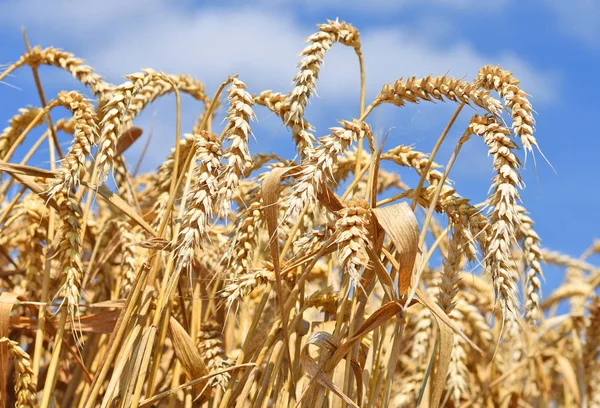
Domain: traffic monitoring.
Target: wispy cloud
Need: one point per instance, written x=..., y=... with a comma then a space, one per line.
x=578, y=18
x=261, y=44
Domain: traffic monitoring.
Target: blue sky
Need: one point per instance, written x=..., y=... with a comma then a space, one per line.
x=553, y=46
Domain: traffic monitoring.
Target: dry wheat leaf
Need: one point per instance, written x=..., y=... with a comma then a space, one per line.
x=377, y=318
x=382, y=274
x=328, y=343
x=186, y=351
x=127, y=139
x=400, y=223
x=117, y=202
x=439, y=314
x=439, y=376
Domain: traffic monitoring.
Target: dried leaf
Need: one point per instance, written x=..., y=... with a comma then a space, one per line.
x=128, y=138
x=329, y=344
x=400, y=223
x=443, y=317
x=186, y=351
x=117, y=202
x=446, y=341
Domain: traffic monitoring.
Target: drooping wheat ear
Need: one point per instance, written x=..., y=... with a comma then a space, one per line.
x=237, y=155
x=65, y=125
x=245, y=283
x=17, y=125
x=157, y=85
x=72, y=168
x=70, y=250
x=160, y=189
x=408, y=157
x=430, y=88
x=305, y=80
x=318, y=167
x=238, y=258
x=353, y=238
x=66, y=60
x=507, y=86
x=503, y=200
x=25, y=389
x=274, y=101
x=117, y=113
x=533, y=263
x=200, y=198
x=213, y=353
x=591, y=349
x=129, y=262
x=302, y=131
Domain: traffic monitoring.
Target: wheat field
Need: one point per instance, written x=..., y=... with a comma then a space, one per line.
x=230, y=279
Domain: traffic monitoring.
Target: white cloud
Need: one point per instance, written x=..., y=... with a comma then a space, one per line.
x=259, y=44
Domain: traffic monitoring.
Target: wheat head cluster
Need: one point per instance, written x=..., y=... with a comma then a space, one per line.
x=227, y=278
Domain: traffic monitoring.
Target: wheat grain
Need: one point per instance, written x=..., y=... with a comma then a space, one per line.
x=73, y=167
x=429, y=88
x=17, y=125
x=66, y=60
x=25, y=389
x=318, y=167
x=237, y=156
x=70, y=250
x=200, y=198
x=213, y=354
x=503, y=200
x=533, y=258
x=353, y=238
x=305, y=80
x=495, y=78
